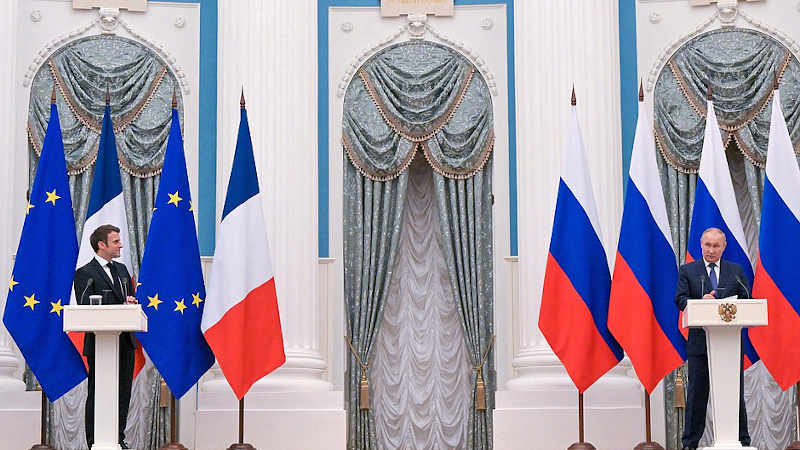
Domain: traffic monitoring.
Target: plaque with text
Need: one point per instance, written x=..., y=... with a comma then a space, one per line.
x=394, y=8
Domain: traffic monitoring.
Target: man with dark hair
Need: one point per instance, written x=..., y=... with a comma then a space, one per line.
x=708, y=278
x=111, y=281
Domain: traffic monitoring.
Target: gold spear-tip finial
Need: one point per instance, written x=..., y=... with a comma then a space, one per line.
x=574, y=100
x=710, y=95
x=241, y=101
x=108, y=95
x=174, y=99
x=53, y=95
x=641, y=91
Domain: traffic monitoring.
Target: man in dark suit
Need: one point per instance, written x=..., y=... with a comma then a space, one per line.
x=707, y=278
x=111, y=281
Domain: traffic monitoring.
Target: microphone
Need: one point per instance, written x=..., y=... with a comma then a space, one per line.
x=125, y=288
x=88, y=283
x=702, y=286
x=741, y=283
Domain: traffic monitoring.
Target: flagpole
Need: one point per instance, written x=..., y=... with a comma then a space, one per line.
x=796, y=444
x=580, y=445
x=648, y=443
x=43, y=442
x=173, y=426
x=241, y=445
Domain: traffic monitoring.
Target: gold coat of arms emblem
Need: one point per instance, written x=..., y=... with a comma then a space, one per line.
x=727, y=311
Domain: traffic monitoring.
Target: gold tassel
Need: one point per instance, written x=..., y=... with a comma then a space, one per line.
x=680, y=395
x=164, y=400
x=480, y=392
x=364, y=390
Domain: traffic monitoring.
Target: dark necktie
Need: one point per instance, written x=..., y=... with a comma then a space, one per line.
x=114, y=276
x=712, y=274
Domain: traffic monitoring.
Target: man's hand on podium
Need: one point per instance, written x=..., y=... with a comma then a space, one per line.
x=131, y=300
x=710, y=296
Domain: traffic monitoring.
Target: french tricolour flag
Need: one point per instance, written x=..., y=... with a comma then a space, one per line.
x=107, y=206
x=574, y=313
x=241, y=321
x=642, y=313
x=779, y=257
x=715, y=206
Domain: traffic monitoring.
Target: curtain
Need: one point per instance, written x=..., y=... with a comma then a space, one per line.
x=740, y=66
x=421, y=362
x=418, y=97
x=140, y=87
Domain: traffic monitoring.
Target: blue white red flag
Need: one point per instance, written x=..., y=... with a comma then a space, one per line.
x=574, y=312
x=642, y=313
x=715, y=207
x=41, y=283
x=241, y=320
x=779, y=256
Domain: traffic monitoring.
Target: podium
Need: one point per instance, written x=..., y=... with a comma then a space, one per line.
x=723, y=320
x=106, y=322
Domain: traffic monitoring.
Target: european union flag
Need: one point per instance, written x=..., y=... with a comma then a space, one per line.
x=172, y=291
x=41, y=282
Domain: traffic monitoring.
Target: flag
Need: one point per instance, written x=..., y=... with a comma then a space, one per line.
x=106, y=206
x=171, y=288
x=779, y=256
x=715, y=207
x=241, y=320
x=41, y=281
x=574, y=312
x=642, y=313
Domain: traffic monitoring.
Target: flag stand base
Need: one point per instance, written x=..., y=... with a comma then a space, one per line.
x=42, y=447
x=648, y=446
x=794, y=446
x=581, y=446
x=241, y=447
x=173, y=446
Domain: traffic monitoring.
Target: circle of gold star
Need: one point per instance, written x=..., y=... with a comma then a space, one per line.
x=52, y=197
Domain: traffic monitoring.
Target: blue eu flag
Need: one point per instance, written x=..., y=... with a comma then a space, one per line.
x=172, y=292
x=41, y=282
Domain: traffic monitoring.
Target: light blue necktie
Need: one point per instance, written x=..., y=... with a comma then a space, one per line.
x=713, y=275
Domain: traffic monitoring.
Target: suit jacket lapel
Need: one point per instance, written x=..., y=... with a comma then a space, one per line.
x=101, y=272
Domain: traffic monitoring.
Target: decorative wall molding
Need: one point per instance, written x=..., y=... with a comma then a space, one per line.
x=51, y=47
x=362, y=56
x=776, y=33
x=671, y=48
x=469, y=53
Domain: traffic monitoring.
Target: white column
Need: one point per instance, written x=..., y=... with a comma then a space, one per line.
x=9, y=363
x=571, y=42
x=269, y=48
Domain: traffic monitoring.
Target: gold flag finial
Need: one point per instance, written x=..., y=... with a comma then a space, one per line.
x=710, y=95
x=174, y=99
x=53, y=95
x=641, y=91
x=574, y=100
x=108, y=95
x=241, y=101
x=775, y=82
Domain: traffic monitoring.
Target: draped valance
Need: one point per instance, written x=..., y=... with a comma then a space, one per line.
x=140, y=86
x=740, y=66
x=417, y=95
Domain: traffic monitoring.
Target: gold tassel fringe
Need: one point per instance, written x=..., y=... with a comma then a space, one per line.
x=680, y=395
x=164, y=400
x=480, y=393
x=364, y=391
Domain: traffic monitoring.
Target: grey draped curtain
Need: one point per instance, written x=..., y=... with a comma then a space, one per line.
x=740, y=66
x=412, y=97
x=141, y=86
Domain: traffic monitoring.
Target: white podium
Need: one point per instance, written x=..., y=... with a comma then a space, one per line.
x=723, y=320
x=106, y=322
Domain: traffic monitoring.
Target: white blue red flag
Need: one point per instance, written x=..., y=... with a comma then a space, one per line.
x=715, y=207
x=574, y=312
x=779, y=257
x=241, y=321
x=642, y=313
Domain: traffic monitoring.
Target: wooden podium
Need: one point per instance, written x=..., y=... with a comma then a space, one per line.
x=723, y=320
x=106, y=322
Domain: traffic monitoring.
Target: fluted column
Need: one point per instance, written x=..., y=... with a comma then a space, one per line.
x=269, y=48
x=558, y=43
x=9, y=363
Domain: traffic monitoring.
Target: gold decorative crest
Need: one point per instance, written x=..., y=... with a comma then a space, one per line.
x=727, y=311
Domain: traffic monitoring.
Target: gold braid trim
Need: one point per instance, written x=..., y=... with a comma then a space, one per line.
x=372, y=176
x=79, y=113
x=668, y=158
x=75, y=170
x=125, y=121
x=461, y=174
x=699, y=108
x=439, y=123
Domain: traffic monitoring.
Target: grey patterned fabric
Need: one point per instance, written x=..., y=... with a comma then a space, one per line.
x=373, y=212
x=740, y=66
x=465, y=216
x=141, y=88
x=417, y=93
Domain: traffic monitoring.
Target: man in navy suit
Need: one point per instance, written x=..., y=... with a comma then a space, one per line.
x=707, y=278
x=110, y=280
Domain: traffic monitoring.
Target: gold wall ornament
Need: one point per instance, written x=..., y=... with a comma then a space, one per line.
x=727, y=311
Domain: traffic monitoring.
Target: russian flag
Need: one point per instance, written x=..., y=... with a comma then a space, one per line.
x=574, y=312
x=107, y=206
x=241, y=321
x=715, y=207
x=642, y=313
x=779, y=256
